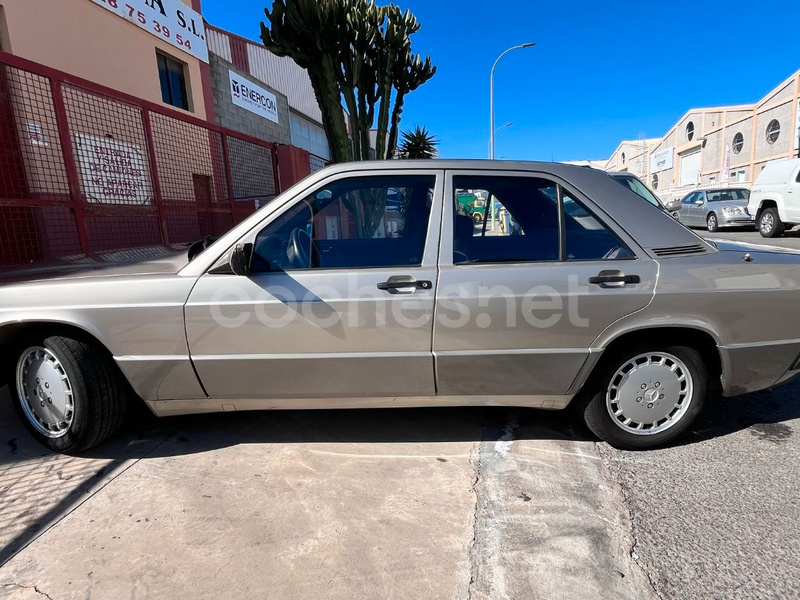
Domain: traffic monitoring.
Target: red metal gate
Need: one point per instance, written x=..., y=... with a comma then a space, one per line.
x=87, y=171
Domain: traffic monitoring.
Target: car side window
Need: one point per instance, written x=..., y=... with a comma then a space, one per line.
x=587, y=238
x=516, y=219
x=358, y=222
x=689, y=199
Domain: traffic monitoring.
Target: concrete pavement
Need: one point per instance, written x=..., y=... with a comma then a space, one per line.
x=440, y=503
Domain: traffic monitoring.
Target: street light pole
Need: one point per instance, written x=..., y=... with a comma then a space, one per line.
x=491, y=94
x=506, y=126
x=491, y=114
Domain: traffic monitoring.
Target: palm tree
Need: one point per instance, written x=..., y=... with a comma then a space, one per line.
x=418, y=143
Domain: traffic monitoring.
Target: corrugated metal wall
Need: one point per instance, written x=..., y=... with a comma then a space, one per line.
x=219, y=43
x=280, y=73
x=284, y=75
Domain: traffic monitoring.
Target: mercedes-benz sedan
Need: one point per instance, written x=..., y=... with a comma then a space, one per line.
x=332, y=296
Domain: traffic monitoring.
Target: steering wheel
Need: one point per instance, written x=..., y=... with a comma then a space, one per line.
x=300, y=243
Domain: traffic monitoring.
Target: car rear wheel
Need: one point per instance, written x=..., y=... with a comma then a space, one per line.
x=477, y=217
x=68, y=393
x=646, y=397
x=712, y=224
x=770, y=224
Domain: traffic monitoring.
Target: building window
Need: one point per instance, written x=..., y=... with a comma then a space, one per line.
x=623, y=158
x=773, y=131
x=738, y=143
x=655, y=181
x=173, y=81
x=689, y=131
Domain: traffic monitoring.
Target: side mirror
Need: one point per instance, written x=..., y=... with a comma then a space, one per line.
x=240, y=259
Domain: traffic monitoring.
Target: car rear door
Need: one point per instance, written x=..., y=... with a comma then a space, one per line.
x=684, y=214
x=519, y=305
x=352, y=321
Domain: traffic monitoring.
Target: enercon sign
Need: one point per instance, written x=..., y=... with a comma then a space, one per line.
x=169, y=20
x=252, y=97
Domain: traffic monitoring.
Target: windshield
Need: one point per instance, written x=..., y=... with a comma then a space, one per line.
x=637, y=187
x=727, y=195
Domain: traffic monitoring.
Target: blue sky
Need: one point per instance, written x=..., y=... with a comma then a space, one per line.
x=601, y=71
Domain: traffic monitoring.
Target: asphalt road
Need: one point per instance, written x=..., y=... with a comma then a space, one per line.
x=433, y=503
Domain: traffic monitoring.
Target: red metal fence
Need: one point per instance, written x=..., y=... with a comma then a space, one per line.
x=86, y=171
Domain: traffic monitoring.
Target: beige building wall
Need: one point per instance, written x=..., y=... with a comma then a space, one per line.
x=86, y=40
x=714, y=132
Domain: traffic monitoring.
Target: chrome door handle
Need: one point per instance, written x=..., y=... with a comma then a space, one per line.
x=614, y=279
x=404, y=284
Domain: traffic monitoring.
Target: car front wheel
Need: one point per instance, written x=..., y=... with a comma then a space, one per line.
x=68, y=393
x=647, y=397
x=712, y=224
x=770, y=224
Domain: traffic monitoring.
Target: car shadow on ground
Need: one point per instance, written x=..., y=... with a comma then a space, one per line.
x=763, y=412
x=30, y=469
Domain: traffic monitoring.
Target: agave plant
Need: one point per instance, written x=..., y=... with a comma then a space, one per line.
x=418, y=143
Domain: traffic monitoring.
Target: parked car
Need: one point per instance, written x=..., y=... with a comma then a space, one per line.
x=596, y=298
x=716, y=208
x=634, y=184
x=775, y=199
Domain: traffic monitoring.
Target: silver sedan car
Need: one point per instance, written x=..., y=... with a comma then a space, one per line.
x=579, y=292
x=716, y=208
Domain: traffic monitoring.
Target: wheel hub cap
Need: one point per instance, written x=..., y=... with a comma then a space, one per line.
x=766, y=223
x=649, y=393
x=45, y=392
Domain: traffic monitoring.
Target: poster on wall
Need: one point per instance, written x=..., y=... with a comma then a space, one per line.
x=252, y=97
x=726, y=167
x=797, y=128
x=112, y=172
x=662, y=160
x=169, y=20
x=35, y=134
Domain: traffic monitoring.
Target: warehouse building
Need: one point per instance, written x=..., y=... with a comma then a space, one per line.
x=716, y=146
x=129, y=126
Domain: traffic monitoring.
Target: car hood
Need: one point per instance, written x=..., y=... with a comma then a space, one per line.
x=171, y=263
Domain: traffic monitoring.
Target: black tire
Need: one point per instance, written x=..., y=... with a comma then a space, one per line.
x=99, y=394
x=777, y=227
x=712, y=223
x=477, y=218
x=596, y=415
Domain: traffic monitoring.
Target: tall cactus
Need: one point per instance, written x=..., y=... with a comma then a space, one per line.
x=358, y=57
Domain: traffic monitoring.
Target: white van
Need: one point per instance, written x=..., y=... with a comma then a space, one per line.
x=775, y=197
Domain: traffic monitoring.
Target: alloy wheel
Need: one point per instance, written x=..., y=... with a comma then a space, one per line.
x=45, y=392
x=649, y=393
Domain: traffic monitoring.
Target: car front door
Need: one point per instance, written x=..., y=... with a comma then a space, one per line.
x=338, y=302
x=686, y=203
x=697, y=210
x=520, y=301
x=792, y=199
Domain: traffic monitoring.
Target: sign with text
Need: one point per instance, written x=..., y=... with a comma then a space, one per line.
x=169, y=20
x=112, y=172
x=254, y=98
x=797, y=128
x=662, y=160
